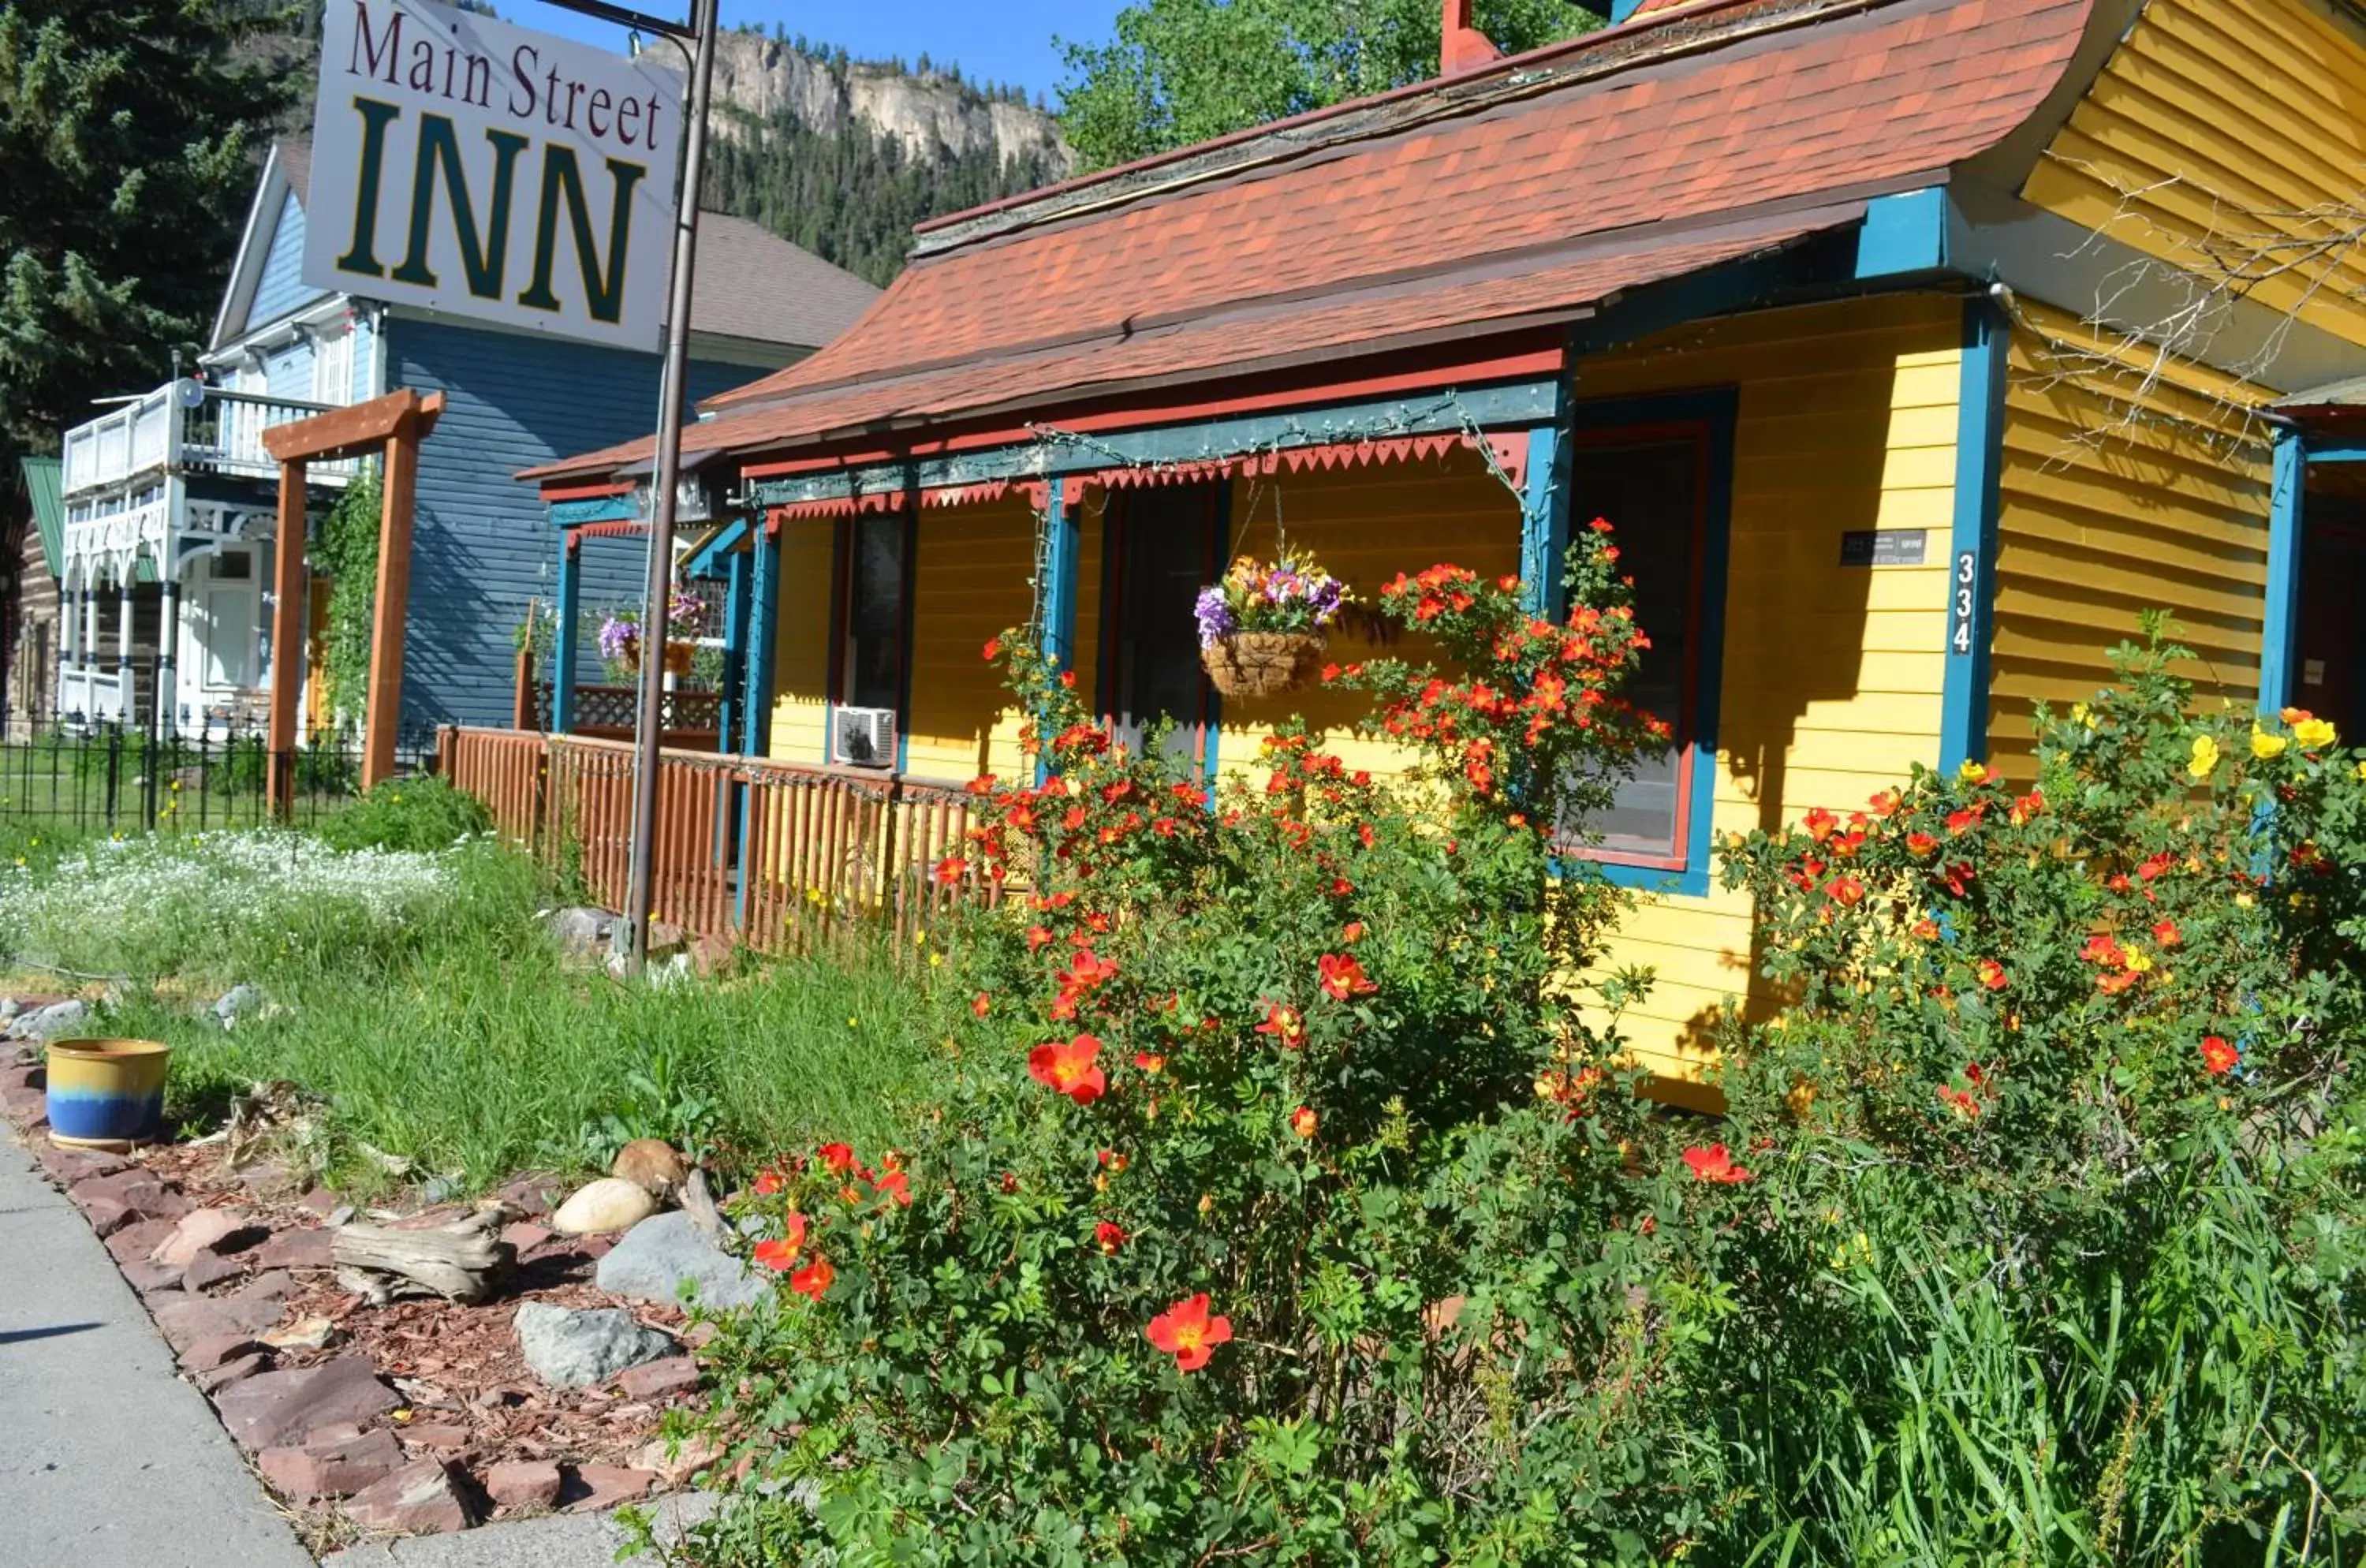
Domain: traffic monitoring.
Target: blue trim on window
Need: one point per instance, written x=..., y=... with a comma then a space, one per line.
x=1544, y=516
x=1903, y=233
x=1972, y=544
x=2287, y=517
x=1719, y=410
x=709, y=559
x=2337, y=451
x=734, y=647
x=594, y=509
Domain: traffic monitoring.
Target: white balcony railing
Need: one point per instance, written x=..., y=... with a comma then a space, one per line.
x=95, y=696
x=177, y=429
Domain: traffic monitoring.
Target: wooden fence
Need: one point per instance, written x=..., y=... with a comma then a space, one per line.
x=776, y=855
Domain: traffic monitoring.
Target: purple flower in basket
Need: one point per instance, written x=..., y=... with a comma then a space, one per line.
x=1214, y=616
x=1323, y=597
x=620, y=638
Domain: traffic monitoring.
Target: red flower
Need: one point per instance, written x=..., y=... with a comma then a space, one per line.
x=1960, y=1100
x=1354, y=933
x=1284, y=1024
x=838, y=1158
x=1887, y=803
x=1302, y=1122
x=2154, y=865
x=780, y=1253
x=993, y=648
x=1068, y=1067
x=1112, y=1160
x=1713, y=1163
x=1991, y=974
x=2218, y=1056
x=1964, y=822
x=1342, y=977
x=768, y=1183
x=1150, y=1061
x=897, y=1186
x=1186, y=1332
x=813, y=1278
x=982, y=1004
x=2102, y=949
x=951, y=870
x=1846, y=891
x=2165, y=932
x=1921, y=843
x=1036, y=937
x=1109, y=1237
x=1819, y=824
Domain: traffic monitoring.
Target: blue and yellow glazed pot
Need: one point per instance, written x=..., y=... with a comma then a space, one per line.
x=106, y=1093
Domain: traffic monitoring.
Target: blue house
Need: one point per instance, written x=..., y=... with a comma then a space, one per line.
x=170, y=500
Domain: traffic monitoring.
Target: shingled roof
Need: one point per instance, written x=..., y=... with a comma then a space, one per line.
x=1506, y=196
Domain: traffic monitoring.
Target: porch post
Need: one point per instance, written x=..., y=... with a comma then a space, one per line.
x=123, y=635
x=168, y=648
x=391, y=606
x=1060, y=556
x=1545, y=511
x=86, y=650
x=763, y=639
x=735, y=647
x=286, y=640
x=563, y=637
x=1971, y=552
x=2280, y=620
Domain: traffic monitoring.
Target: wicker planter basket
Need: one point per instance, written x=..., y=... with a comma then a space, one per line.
x=678, y=657
x=1263, y=664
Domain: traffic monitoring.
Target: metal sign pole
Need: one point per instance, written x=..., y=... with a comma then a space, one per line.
x=666, y=482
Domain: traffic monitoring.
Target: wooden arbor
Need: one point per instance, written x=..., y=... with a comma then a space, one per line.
x=395, y=424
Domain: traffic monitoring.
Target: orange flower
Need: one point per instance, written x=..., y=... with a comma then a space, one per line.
x=1887, y=803
x=1960, y=1100
x=993, y=648
x=1150, y=1061
x=1036, y=937
x=1111, y=1159
x=1927, y=929
x=897, y=1186
x=951, y=870
x=2165, y=932
x=2218, y=1056
x=1068, y=1067
x=1342, y=977
x=813, y=1278
x=1109, y=1237
x=1846, y=891
x=780, y=1253
x=1991, y=974
x=1921, y=843
x=1713, y=1163
x=838, y=1158
x=1186, y=1332
x=1302, y=1122
x=981, y=1004
x=768, y=1183
x=1819, y=824
x=1284, y=1024
x=1354, y=933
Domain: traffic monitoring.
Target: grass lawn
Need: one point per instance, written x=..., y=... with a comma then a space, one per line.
x=420, y=997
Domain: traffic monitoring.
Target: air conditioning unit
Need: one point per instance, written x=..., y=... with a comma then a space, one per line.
x=863, y=738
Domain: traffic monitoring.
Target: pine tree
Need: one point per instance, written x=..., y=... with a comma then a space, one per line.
x=126, y=129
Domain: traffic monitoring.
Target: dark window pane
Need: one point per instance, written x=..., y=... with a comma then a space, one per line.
x=1649, y=491
x=875, y=614
x=1167, y=545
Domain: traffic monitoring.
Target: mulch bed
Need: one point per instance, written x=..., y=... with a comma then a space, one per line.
x=459, y=1394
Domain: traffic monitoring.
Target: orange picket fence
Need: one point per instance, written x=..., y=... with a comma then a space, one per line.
x=776, y=855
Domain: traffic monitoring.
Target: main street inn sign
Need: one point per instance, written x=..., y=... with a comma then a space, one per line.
x=486, y=170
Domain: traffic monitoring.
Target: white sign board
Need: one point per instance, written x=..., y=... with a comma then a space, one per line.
x=489, y=171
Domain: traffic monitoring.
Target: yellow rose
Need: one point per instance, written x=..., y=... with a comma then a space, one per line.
x=2081, y=714
x=2314, y=734
x=2205, y=757
x=2265, y=746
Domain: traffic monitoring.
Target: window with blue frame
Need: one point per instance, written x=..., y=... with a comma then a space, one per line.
x=1659, y=471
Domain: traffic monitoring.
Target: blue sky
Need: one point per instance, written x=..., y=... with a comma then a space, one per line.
x=992, y=43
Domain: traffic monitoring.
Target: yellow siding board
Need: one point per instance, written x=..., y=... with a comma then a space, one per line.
x=969, y=584
x=801, y=650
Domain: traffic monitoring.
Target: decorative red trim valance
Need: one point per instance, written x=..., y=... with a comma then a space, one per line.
x=1510, y=447
x=931, y=498
x=615, y=528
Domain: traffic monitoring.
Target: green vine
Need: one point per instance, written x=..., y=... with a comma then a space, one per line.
x=346, y=552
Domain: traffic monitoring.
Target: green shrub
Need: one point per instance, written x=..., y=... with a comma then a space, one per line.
x=419, y=814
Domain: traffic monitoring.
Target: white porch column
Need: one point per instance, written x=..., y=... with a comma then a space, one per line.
x=168, y=647
x=86, y=650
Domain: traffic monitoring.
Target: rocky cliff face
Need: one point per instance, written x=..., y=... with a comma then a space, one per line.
x=765, y=78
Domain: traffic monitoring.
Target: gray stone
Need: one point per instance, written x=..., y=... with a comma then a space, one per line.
x=577, y=1349
x=237, y=1003
x=659, y=1254
x=53, y=1021
x=9, y=1007
x=582, y=932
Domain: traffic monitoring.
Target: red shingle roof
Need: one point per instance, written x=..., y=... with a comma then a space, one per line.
x=1526, y=207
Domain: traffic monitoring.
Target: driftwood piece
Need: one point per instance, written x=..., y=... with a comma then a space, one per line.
x=699, y=1204
x=463, y=1261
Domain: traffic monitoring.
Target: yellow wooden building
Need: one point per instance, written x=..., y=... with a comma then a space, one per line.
x=1914, y=347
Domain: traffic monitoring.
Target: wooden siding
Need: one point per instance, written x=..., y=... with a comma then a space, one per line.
x=801, y=643
x=972, y=584
x=1832, y=676
x=2227, y=119
x=2119, y=497
x=279, y=286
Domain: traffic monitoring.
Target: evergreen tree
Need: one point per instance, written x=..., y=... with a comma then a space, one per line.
x=126, y=129
x=1182, y=70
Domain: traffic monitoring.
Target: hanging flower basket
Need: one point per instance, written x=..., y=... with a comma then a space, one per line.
x=1263, y=664
x=678, y=655
x=1262, y=628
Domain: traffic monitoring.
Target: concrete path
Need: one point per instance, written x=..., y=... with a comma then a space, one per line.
x=587, y=1541
x=106, y=1458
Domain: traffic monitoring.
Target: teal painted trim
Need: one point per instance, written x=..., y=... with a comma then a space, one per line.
x=709, y=560
x=764, y=616
x=1512, y=405
x=1544, y=516
x=1059, y=588
x=1622, y=9
x=565, y=636
x=1972, y=545
x=2287, y=520
x=735, y=650
x=594, y=509
x=2336, y=452
x=1903, y=233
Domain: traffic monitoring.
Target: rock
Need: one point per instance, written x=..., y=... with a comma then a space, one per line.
x=674, y=1468
x=711, y=955
x=577, y=1349
x=304, y=1333
x=523, y=1237
x=138, y=1239
x=235, y=1004
x=656, y=1255
x=24, y=1074
x=583, y=933
x=28, y=1106
x=598, y=1486
x=53, y=1021
x=235, y=1370
x=659, y=1379
x=531, y=1195
x=120, y=1197
x=9, y=1007
x=435, y=1437
x=421, y=1498
x=275, y=1287
x=319, y=1200
x=439, y=1189
x=149, y=1278
x=294, y=1250
x=336, y=1463
x=187, y=1320
x=522, y=1484
x=280, y=1408
x=216, y=1349
x=207, y=1269
x=651, y=1163
x=205, y=1229
x=68, y=1167
x=607, y=1204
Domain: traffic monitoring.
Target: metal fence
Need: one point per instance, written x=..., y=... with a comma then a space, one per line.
x=88, y=780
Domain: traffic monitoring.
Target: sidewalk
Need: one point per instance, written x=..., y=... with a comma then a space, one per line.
x=105, y=1456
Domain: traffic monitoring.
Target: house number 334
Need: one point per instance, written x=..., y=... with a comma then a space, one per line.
x=1959, y=619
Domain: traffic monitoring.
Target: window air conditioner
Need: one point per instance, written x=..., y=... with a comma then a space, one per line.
x=863, y=738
